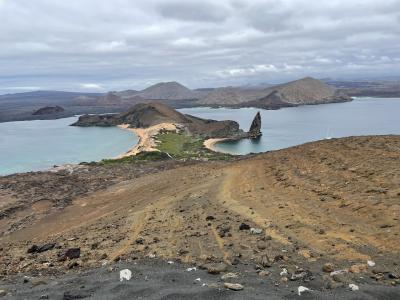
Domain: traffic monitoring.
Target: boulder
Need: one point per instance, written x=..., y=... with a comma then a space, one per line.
x=42, y=248
x=71, y=253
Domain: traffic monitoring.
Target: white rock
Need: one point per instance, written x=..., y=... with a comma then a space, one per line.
x=191, y=269
x=233, y=286
x=338, y=272
x=170, y=262
x=371, y=263
x=284, y=272
x=198, y=279
x=302, y=289
x=353, y=287
x=255, y=230
x=125, y=274
x=151, y=255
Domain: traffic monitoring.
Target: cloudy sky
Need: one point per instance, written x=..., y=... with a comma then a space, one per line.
x=100, y=45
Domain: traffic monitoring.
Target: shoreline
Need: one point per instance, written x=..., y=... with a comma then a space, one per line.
x=210, y=143
x=146, y=142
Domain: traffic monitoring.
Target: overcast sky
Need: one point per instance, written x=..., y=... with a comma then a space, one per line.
x=100, y=45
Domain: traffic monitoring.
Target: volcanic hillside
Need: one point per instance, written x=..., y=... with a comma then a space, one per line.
x=304, y=91
x=145, y=115
x=334, y=201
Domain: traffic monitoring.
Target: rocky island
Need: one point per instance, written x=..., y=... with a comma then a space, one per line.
x=150, y=120
x=48, y=110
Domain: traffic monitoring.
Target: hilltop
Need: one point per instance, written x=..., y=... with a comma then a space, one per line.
x=299, y=92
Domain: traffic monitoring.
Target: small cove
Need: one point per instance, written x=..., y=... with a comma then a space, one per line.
x=293, y=126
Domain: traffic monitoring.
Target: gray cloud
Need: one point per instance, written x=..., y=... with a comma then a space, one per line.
x=120, y=44
x=198, y=11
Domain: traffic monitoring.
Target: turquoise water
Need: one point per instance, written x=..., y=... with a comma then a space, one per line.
x=297, y=125
x=38, y=145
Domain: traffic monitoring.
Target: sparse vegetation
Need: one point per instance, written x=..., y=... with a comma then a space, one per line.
x=171, y=145
x=143, y=156
x=180, y=145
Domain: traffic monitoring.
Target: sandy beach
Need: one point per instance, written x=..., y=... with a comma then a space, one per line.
x=146, y=137
x=210, y=143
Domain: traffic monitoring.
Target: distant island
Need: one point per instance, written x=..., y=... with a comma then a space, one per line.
x=48, y=110
x=306, y=91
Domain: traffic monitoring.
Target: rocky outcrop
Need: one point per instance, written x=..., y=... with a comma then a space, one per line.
x=48, y=110
x=255, y=128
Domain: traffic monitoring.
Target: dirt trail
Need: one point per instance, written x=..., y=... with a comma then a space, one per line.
x=336, y=200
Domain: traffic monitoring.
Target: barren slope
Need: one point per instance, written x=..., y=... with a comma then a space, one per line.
x=336, y=200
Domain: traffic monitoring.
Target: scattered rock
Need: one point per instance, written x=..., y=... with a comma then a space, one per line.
x=378, y=276
x=139, y=241
x=284, y=272
x=125, y=274
x=73, y=264
x=383, y=226
x=264, y=273
x=330, y=283
x=229, y=275
x=353, y=287
x=42, y=248
x=255, y=230
x=302, y=275
x=224, y=230
x=338, y=272
x=371, y=263
x=244, y=226
x=265, y=261
x=233, y=286
x=210, y=218
x=279, y=257
x=3, y=293
x=393, y=276
x=215, y=268
x=328, y=268
x=71, y=253
x=191, y=269
x=358, y=268
x=302, y=289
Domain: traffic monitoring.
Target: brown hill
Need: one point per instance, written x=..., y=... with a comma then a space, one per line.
x=229, y=96
x=307, y=91
x=304, y=91
x=168, y=91
x=144, y=115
